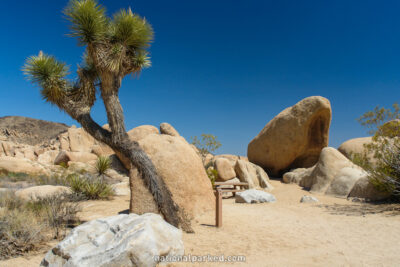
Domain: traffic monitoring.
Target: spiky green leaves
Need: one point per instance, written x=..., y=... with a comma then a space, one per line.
x=131, y=30
x=116, y=45
x=89, y=22
x=140, y=60
x=49, y=74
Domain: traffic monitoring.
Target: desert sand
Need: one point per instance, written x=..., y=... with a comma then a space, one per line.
x=332, y=232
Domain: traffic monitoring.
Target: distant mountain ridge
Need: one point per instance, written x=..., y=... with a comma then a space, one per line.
x=29, y=131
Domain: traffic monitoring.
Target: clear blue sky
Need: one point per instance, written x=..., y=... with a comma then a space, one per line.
x=225, y=67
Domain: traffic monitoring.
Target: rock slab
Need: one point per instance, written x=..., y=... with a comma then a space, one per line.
x=121, y=240
x=254, y=196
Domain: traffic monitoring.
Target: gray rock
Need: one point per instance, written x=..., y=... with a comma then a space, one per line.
x=252, y=174
x=166, y=128
x=254, y=196
x=308, y=199
x=122, y=240
x=363, y=188
x=294, y=176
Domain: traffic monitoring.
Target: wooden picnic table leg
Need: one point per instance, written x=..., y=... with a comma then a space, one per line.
x=218, y=207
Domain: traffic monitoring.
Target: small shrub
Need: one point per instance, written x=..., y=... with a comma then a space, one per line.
x=64, y=165
x=90, y=187
x=20, y=232
x=212, y=175
x=58, y=212
x=360, y=159
x=205, y=145
x=18, y=180
x=384, y=174
x=9, y=201
x=25, y=225
x=103, y=164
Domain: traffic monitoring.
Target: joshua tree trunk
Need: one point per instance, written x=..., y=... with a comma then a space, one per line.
x=139, y=160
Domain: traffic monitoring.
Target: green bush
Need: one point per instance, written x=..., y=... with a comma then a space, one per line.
x=212, y=175
x=384, y=125
x=206, y=144
x=90, y=187
x=103, y=164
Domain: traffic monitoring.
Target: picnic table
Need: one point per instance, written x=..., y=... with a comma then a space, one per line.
x=231, y=186
x=224, y=187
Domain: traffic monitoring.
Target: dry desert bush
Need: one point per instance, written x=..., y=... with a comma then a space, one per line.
x=26, y=225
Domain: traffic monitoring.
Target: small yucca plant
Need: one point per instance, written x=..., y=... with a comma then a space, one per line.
x=103, y=164
x=90, y=187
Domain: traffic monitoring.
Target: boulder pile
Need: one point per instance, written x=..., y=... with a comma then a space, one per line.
x=230, y=167
x=335, y=175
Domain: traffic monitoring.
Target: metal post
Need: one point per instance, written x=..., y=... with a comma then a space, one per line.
x=218, y=207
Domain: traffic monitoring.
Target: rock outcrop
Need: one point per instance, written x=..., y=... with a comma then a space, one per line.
x=224, y=169
x=252, y=174
x=294, y=138
x=355, y=146
x=141, y=132
x=18, y=165
x=66, y=156
x=231, y=158
x=166, y=128
x=42, y=191
x=122, y=240
x=23, y=130
x=182, y=171
x=334, y=174
x=363, y=188
x=295, y=176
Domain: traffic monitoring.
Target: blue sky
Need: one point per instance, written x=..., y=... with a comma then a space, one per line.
x=224, y=67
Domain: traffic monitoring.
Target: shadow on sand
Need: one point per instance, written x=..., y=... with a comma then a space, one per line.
x=361, y=209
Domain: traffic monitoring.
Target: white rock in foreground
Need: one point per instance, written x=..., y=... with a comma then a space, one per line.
x=122, y=240
x=308, y=199
x=254, y=196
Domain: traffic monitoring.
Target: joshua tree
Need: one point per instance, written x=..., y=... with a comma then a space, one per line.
x=115, y=47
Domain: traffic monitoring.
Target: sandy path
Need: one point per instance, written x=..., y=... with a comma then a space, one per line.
x=333, y=232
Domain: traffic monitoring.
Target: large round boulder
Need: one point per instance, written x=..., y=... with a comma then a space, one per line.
x=141, y=132
x=224, y=169
x=66, y=156
x=166, y=128
x=182, y=171
x=80, y=140
x=294, y=138
x=356, y=146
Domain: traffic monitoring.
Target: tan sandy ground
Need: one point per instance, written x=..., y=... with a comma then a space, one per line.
x=333, y=232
